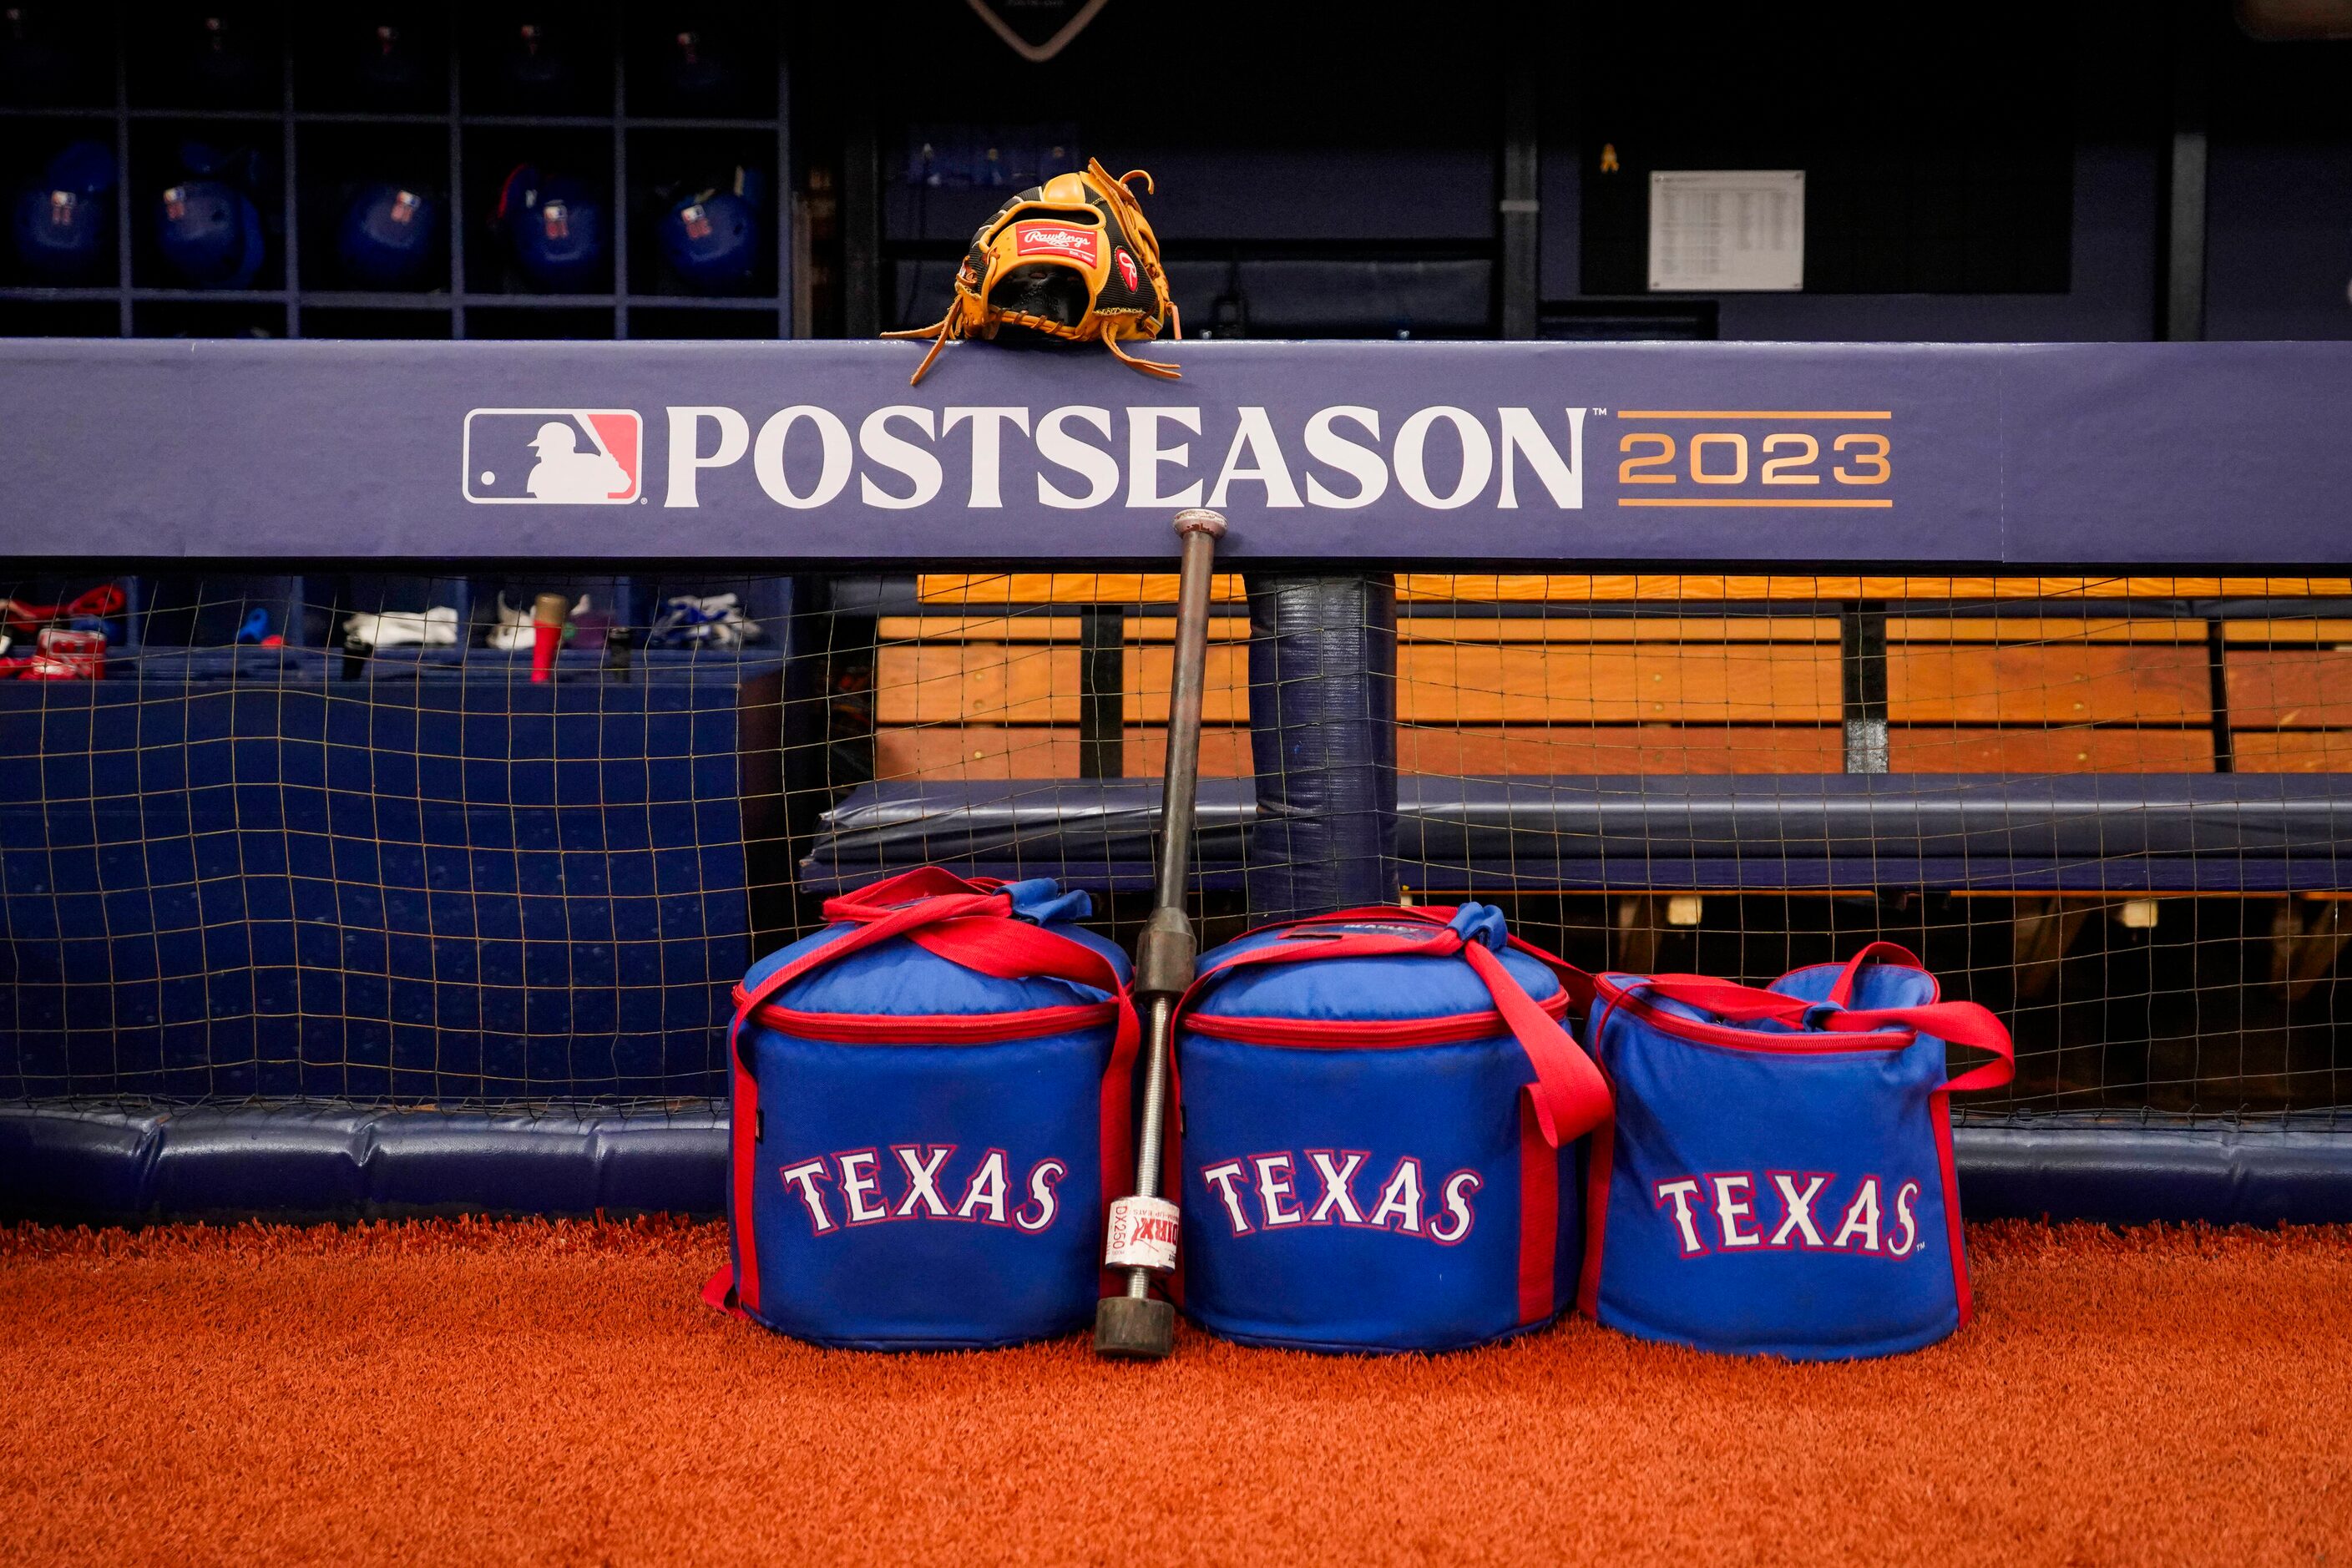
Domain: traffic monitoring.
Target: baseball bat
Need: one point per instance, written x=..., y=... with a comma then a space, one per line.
x=1137, y=1326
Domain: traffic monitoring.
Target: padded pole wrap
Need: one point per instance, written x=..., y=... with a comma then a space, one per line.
x=1322, y=672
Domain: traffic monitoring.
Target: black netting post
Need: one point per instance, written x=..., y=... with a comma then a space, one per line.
x=1322, y=673
x=1102, y=701
x=1861, y=638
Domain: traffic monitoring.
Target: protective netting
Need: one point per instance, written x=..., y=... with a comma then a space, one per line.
x=2109, y=808
x=332, y=841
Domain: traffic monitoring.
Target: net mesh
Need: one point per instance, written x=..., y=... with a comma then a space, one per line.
x=2106, y=807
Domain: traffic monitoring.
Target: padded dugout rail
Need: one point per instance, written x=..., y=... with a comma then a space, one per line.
x=97, y=1166
x=2091, y=832
x=70, y=1164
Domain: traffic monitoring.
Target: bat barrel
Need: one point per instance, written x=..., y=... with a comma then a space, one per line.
x=1179, y=784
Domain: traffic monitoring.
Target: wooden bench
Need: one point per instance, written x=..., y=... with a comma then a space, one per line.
x=1034, y=676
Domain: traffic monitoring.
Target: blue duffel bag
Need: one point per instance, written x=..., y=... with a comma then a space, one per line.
x=1381, y=1116
x=930, y=1116
x=1777, y=1177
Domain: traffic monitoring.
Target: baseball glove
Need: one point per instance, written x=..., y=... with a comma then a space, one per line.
x=1071, y=259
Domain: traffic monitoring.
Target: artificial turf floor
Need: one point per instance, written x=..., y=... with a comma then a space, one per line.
x=555, y=1392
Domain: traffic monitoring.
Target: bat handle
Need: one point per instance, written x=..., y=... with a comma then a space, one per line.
x=1148, y=1144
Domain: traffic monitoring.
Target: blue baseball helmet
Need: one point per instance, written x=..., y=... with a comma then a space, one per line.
x=210, y=234
x=711, y=239
x=388, y=235
x=555, y=228
x=64, y=220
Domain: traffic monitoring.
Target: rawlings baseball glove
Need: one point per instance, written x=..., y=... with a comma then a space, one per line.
x=1072, y=260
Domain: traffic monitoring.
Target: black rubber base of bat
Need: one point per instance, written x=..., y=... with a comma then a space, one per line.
x=1130, y=1330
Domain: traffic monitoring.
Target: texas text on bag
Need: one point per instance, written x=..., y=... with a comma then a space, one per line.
x=929, y=1114
x=1777, y=1177
x=1381, y=1116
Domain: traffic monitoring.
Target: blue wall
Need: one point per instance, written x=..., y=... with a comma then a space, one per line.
x=231, y=874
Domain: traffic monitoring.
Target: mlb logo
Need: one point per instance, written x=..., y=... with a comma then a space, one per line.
x=553, y=457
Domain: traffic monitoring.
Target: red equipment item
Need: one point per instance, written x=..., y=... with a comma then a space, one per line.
x=548, y=613
x=68, y=656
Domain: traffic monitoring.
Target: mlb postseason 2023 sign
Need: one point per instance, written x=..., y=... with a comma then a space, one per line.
x=1525, y=454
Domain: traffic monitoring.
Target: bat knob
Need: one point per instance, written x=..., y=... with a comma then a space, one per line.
x=1200, y=519
x=1129, y=1327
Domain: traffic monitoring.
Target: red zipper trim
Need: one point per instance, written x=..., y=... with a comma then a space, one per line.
x=1355, y=1034
x=929, y=1028
x=1791, y=1044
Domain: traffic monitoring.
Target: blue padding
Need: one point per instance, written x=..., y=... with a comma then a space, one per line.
x=310, y=1162
x=2296, y=1173
x=233, y=876
x=1094, y=833
x=2114, y=833
x=1322, y=674
x=83, y=1164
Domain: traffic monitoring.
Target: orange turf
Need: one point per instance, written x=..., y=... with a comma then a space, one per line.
x=546, y=1393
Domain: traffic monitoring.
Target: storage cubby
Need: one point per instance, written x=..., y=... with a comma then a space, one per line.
x=200, y=318
x=303, y=110
x=31, y=147
x=375, y=60
x=540, y=320
x=737, y=318
x=564, y=157
x=214, y=611
x=57, y=56
x=400, y=172
x=239, y=157
x=60, y=318
x=538, y=61
x=700, y=62
x=218, y=59
x=428, y=320
x=667, y=167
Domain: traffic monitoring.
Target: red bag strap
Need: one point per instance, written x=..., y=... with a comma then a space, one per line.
x=1961, y=1023
x=100, y=601
x=876, y=900
x=1570, y=1096
x=972, y=928
x=1842, y=990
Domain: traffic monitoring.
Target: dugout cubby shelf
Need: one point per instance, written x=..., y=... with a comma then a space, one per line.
x=319, y=122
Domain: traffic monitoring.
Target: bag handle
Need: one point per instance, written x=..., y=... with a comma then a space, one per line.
x=1570, y=1096
x=876, y=900
x=1961, y=1023
x=1842, y=990
x=974, y=928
